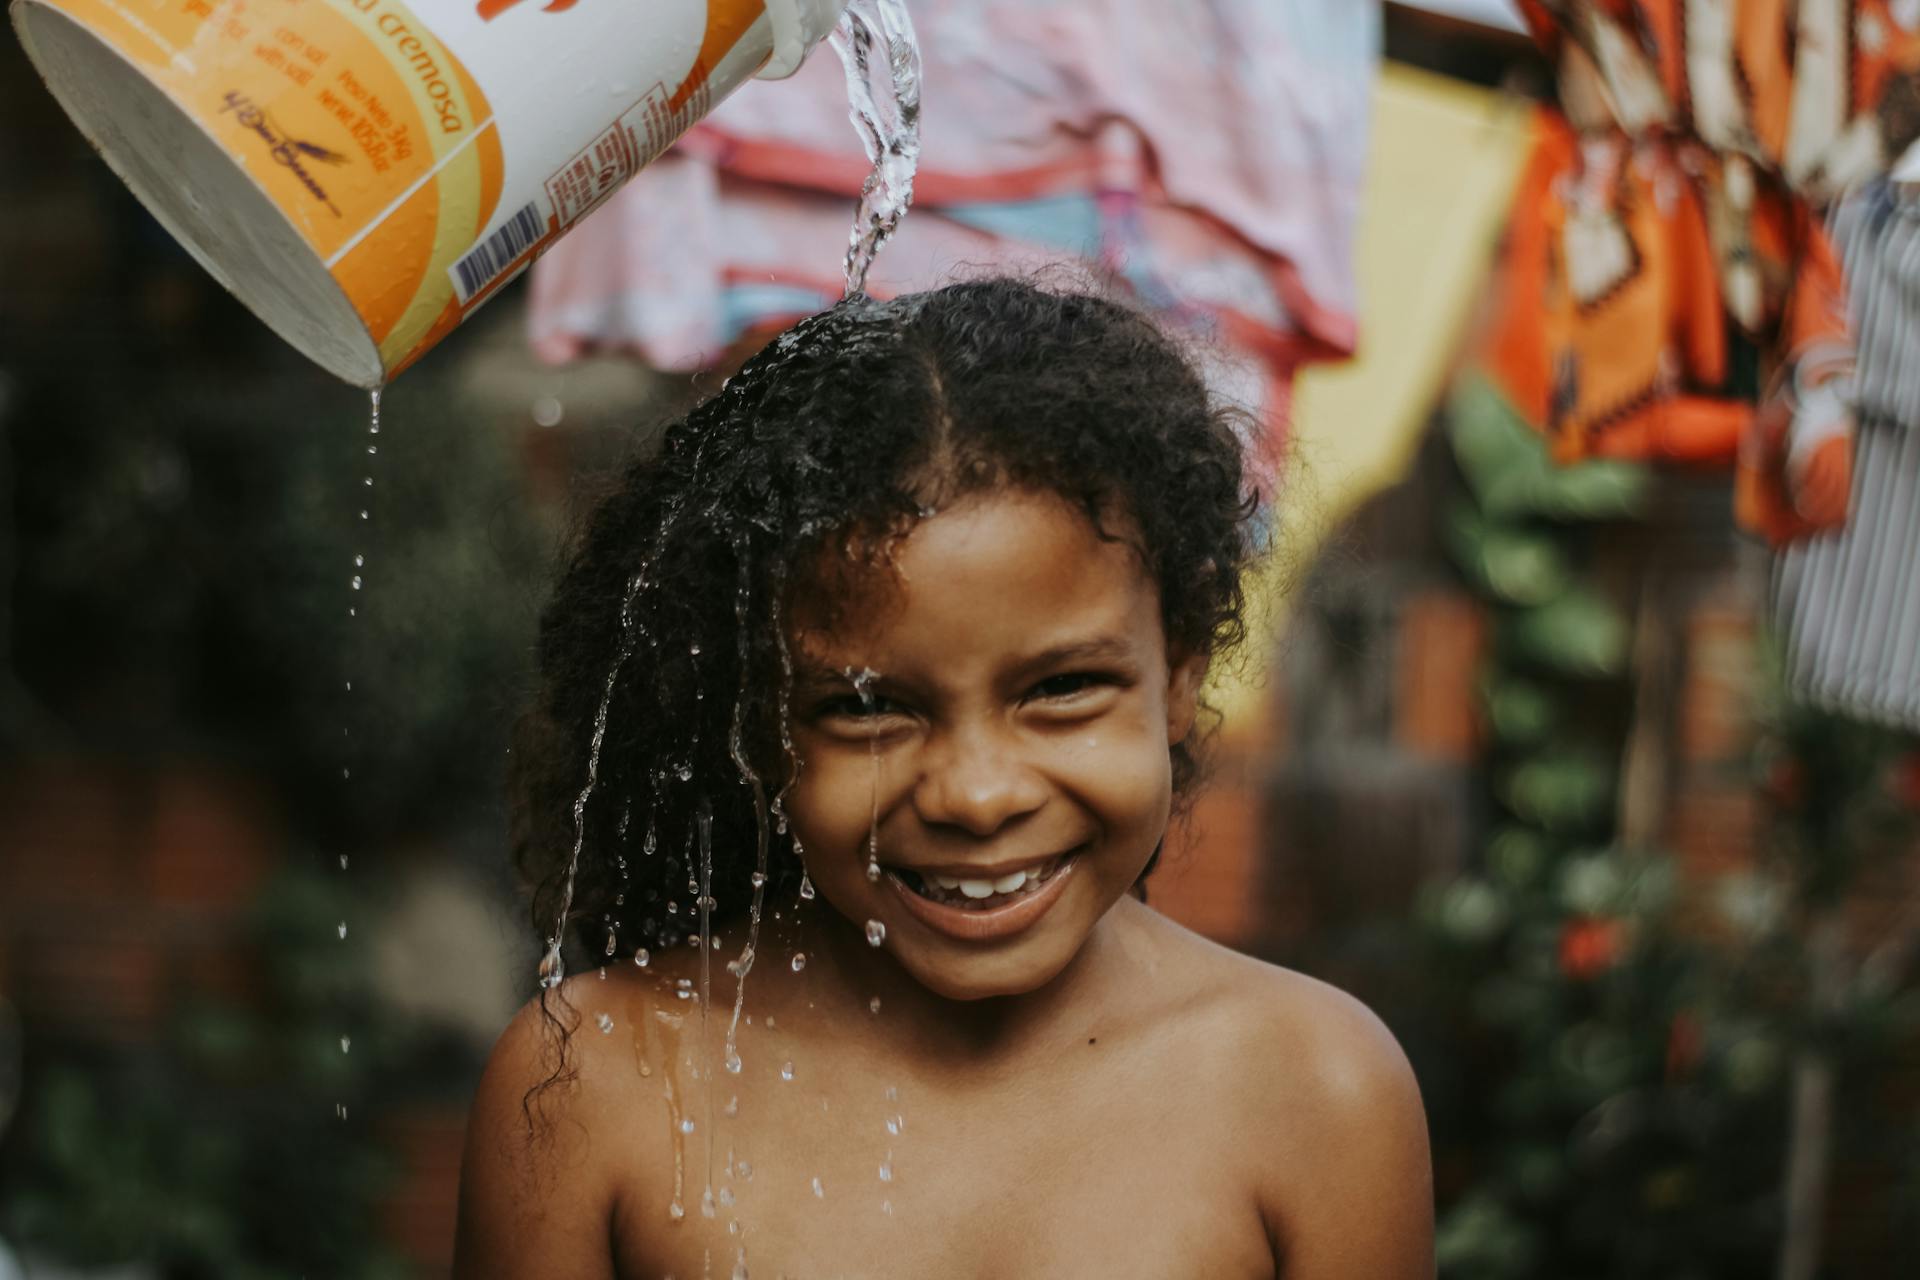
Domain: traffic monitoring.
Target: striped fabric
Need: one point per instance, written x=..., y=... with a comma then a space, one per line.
x=1878, y=235
x=1847, y=605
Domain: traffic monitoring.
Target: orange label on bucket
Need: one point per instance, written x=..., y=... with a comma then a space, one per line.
x=349, y=114
x=369, y=128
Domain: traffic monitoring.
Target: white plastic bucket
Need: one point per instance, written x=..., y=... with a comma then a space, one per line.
x=363, y=176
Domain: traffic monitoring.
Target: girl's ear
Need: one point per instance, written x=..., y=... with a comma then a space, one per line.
x=1185, y=674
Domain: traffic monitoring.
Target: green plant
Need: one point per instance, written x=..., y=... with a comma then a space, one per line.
x=233, y=1150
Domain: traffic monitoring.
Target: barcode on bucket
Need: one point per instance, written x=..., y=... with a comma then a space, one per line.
x=486, y=260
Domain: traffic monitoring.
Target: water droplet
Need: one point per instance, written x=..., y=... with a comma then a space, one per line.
x=641, y=958
x=346, y=1043
x=886, y=1207
x=876, y=933
x=786, y=1071
x=726, y=1197
x=733, y=1060
x=799, y=961
x=343, y=862
x=552, y=969
x=342, y=929
x=706, y=1204
x=356, y=582
x=819, y=1192
x=340, y=1109
x=759, y=879
x=676, y=1211
x=613, y=942
x=746, y=1171
x=363, y=515
x=694, y=649
x=873, y=1005
x=886, y=1171
x=548, y=411
x=893, y=1094
x=740, y=1268
x=605, y=1022
x=603, y=973
x=873, y=869
x=895, y=1124
x=770, y=1022
x=684, y=773
x=806, y=888
x=732, y=1109
x=359, y=562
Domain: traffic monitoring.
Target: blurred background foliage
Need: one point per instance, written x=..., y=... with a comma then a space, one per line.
x=222, y=1151
x=244, y=995
x=1609, y=1044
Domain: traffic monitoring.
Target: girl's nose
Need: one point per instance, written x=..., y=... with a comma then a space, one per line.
x=976, y=781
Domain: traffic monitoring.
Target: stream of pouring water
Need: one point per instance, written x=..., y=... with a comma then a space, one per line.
x=876, y=44
x=884, y=105
x=883, y=101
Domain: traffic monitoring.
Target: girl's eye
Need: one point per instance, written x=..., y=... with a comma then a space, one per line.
x=1061, y=687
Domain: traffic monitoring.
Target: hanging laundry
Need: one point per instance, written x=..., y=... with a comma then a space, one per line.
x=1824, y=92
x=1668, y=291
x=1847, y=606
x=1210, y=155
x=1878, y=234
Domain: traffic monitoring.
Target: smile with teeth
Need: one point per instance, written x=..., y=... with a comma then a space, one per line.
x=978, y=894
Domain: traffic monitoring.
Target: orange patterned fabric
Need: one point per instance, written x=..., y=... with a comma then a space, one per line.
x=1824, y=92
x=1667, y=293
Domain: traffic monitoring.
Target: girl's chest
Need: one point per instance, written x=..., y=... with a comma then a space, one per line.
x=1097, y=1174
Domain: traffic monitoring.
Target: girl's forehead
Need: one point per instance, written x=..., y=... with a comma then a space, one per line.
x=1001, y=564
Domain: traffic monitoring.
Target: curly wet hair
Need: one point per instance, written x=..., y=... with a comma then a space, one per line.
x=659, y=730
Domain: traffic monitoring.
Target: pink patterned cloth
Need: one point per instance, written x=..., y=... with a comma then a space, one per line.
x=1209, y=153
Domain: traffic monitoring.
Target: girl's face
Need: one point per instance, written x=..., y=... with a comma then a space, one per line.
x=1008, y=768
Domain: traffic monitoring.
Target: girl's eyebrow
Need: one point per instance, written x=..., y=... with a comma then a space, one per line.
x=814, y=676
x=819, y=678
x=1099, y=649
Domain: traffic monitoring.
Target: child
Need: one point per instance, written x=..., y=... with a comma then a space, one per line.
x=882, y=674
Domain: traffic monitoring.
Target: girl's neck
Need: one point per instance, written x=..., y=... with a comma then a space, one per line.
x=844, y=969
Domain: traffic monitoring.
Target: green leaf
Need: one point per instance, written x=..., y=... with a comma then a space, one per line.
x=1511, y=474
x=1566, y=791
x=1522, y=713
x=1513, y=565
x=1578, y=634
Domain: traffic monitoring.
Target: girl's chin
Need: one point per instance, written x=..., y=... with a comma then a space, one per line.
x=971, y=982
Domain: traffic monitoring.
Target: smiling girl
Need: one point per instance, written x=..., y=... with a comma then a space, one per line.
x=882, y=674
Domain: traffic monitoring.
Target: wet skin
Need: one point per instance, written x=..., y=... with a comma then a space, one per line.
x=1092, y=1092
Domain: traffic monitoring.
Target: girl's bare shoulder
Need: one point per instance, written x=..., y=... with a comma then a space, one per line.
x=1330, y=1111
x=552, y=1129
